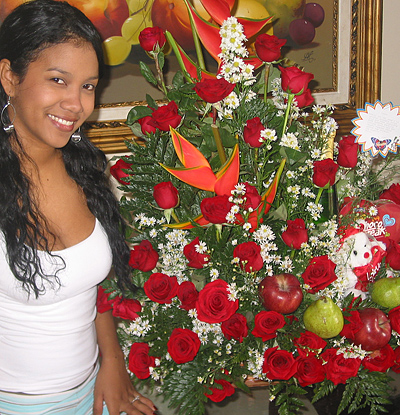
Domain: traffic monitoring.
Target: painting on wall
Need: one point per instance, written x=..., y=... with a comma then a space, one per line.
x=322, y=37
x=309, y=27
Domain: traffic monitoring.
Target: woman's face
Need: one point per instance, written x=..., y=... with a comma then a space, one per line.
x=56, y=95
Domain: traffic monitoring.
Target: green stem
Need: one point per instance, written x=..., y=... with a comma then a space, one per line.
x=160, y=75
x=197, y=44
x=320, y=190
x=266, y=76
x=178, y=56
x=218, y=142
x=289, y=105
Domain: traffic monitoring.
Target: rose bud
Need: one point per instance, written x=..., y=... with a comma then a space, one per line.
x=252, y=132
x=195, y=258
x=166, y=116
x=118, y=170
x=393, y=193
x=215, y=209
x=348, y=151
x=213, y=90
x=305, y=99
x=392, y=257
x=294, y=80
x=143, y=256
x=150, y=37
x=295, y=234
x=146, y=124
x=268, y=47
x=166, y=195
x=324, y=172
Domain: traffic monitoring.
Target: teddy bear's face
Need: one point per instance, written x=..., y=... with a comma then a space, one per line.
x=360, y=253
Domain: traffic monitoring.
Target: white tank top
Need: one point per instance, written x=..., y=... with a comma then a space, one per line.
x=48, y=344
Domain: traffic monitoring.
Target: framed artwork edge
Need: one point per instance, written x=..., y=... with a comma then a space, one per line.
x=360, y=81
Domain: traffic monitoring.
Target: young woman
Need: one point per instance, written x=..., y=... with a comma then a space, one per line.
x=59, y=223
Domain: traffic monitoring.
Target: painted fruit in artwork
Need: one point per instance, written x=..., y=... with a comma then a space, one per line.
x=107, y=15
x=286, y=11
x=324, y=318
x=172, y=15
x=281, y=293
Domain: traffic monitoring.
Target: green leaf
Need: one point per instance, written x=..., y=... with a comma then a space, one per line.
x=147, y=73
x=151, y=102
x=136, y=113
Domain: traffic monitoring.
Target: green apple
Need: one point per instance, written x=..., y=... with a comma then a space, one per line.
x=386, y=292
x=324, y=318
x=284, y=12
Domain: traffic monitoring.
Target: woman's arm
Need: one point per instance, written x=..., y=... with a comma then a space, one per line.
x=113, y=384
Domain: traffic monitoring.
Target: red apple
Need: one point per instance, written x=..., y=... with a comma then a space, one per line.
x=281, y=293
x=376, y=330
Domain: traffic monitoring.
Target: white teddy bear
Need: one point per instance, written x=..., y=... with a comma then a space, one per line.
x=358, y=261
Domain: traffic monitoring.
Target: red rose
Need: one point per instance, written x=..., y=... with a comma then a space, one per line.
x=213, y=90
x=392, y=257
x=166, y=195
x=319, y=273
x=166, y=116
x=295, y=234
x=266, y=323
x=215, y=209
x=310, y=370
x=305, y=99
x=252, y=132
x=379, y=360
x=253, y=198
x=339, y=368
x=196, y=259
x=249, y=254
x=146, y=124
x=126, y=308
x=294, y=80
x=279, y=364
x=394, y=317
x=140, y=361
x=118, y=170
x=103, y=303
x=396, y=365
x=150, y=37
x=393, y=193
x=143, y=256
x=218, y=395
x=268, y=47
x=214, y=305
x=235, y=327
x=183, y=345
x=187, y=295
x=161, y=288
x=309, y=344
x=324, y=172
x=353, y=324
x=348, y=152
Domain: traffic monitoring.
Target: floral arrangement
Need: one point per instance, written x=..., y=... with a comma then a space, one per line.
x=246, y=270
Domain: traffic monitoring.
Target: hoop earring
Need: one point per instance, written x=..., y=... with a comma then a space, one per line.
x=8, y=127
x=76, y=136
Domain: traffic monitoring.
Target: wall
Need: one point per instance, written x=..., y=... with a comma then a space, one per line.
x=390, y=88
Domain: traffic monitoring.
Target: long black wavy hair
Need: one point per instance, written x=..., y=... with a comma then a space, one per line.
x=24, y=34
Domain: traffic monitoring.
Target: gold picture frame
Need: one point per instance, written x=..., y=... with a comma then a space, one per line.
x=362, y=70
